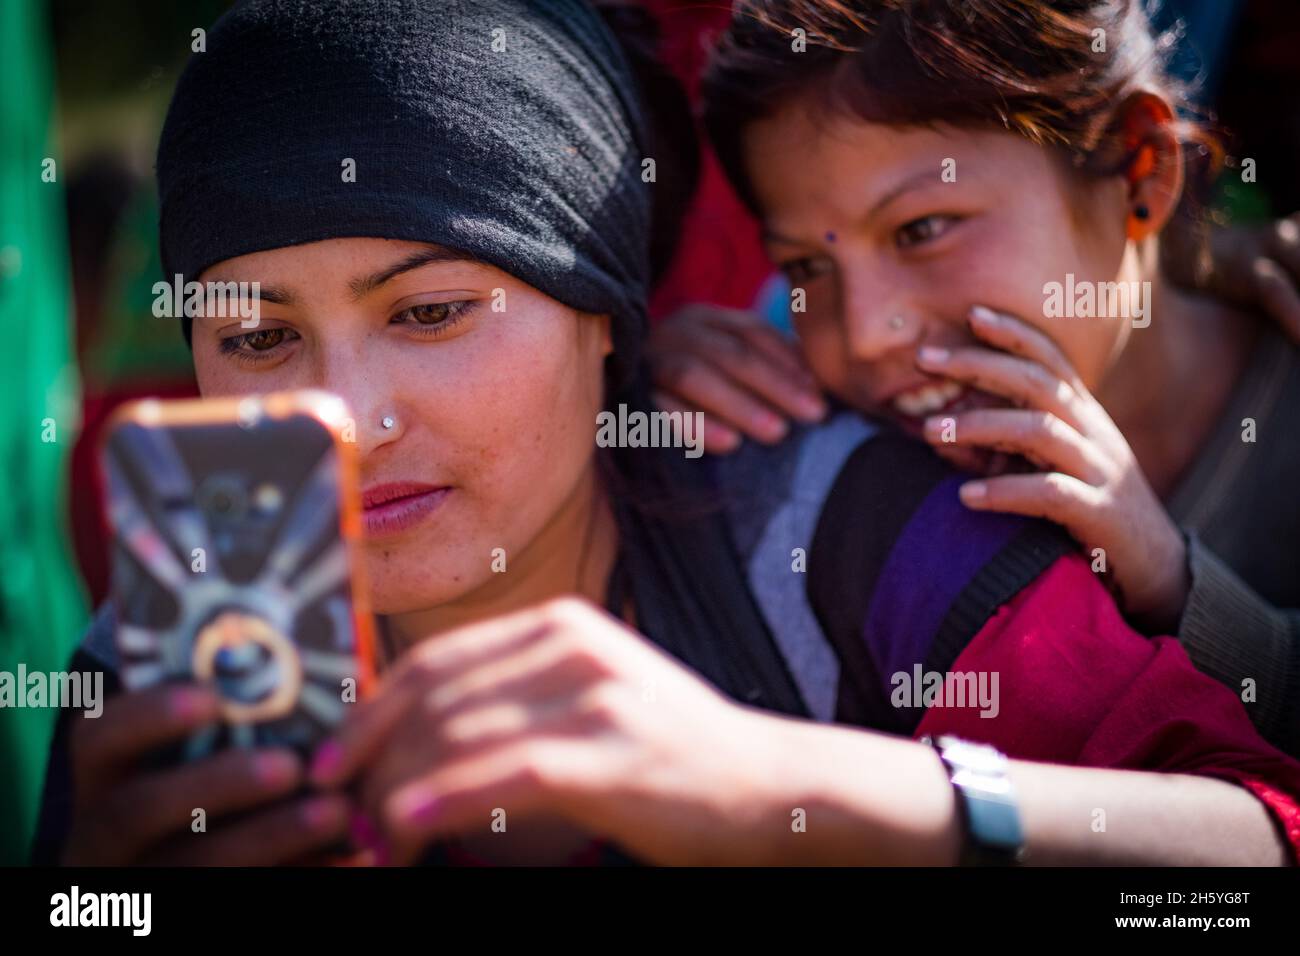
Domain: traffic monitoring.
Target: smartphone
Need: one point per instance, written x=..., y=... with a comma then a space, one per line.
x=235, y=528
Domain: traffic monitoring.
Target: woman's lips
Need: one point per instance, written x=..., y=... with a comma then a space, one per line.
x=397, y=506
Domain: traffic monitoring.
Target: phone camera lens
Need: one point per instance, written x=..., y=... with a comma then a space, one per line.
x=222, y=498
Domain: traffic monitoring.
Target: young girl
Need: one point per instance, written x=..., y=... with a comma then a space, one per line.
x=967, y=200
x=503, y=700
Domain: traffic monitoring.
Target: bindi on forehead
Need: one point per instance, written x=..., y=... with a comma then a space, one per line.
x=830, y=236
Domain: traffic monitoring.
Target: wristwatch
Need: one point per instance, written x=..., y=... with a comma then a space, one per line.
x=985, y=800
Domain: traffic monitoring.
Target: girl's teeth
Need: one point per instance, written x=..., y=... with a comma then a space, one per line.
x=927, y=399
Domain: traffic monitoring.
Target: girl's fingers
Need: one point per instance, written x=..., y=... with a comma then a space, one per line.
x=132, y=725
x=1040, y=436
x=1284, y=247
x=1013, y=335
x=1060, y=498
x=718, y=438
x=788, y=391
x=765, y=339
x=1277, y=293
x=273, y=836
x=705, y=386
x=1019, y=380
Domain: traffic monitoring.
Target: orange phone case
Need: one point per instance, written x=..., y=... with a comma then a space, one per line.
x=235, y=525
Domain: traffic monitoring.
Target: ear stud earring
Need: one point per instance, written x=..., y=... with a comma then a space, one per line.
x=1141, y=212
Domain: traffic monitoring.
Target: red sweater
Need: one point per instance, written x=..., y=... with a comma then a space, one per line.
x=1115, y=699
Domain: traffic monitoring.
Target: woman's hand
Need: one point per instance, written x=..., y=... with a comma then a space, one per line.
x=126, y=814
x=1090, y=483
x=562, y=712
x=737, y=369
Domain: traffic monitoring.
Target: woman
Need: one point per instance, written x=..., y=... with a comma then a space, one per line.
x=1042, y=170
x=513, y=717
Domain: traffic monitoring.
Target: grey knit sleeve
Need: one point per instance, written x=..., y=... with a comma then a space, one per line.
x=1234, y=635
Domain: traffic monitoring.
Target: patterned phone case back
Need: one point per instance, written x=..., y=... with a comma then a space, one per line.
x=231, y=567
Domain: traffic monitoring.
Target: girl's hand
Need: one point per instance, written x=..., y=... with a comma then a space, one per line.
x=1256, y=267
x=124, y=813
x=1090, y=483
x=561, y=712
x=737, y=369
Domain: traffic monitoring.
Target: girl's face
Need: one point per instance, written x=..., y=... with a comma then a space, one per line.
x=894, y=234
x=493, y=409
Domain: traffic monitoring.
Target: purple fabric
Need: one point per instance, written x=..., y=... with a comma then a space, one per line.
x=941, y=548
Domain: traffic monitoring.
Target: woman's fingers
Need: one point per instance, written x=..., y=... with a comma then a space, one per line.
x=416, y=749
x=1063, y=499
x=431, y=664
x=114, y=829
x=276, y=835
x=1040, y=436
x=132, y=726
x=1022, y=381
x=540, y=670
x=523, y=778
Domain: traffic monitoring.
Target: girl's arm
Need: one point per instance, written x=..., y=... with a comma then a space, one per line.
x=1246, y=643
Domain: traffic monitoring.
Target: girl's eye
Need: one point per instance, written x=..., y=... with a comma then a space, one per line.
x=923, y=230
x=439, y=315
x=255, y=346
x=801, y=271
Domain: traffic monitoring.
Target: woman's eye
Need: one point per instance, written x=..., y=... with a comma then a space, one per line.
x=430, y=313
x=923, y=230
x=264, y=339
x=254, y=345
x=801, y=271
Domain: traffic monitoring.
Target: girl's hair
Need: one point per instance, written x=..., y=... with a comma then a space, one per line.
x=1051, y=70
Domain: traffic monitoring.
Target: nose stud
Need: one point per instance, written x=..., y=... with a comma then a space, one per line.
x=388, y=422
x=896, y=323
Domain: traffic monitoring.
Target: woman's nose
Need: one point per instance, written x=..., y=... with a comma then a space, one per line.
x=376, y=413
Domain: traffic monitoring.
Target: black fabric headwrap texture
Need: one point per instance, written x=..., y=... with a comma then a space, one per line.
x=507, y=129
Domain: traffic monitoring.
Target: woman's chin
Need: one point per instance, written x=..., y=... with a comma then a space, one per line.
x=399, y=585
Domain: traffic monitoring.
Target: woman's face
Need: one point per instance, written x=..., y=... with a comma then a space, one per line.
x=892, y=256
x=494, y=410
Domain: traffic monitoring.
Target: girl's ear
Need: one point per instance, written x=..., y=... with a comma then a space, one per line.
x=1154, y=169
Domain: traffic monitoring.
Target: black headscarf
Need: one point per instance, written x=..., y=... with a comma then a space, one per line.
x=508, y=129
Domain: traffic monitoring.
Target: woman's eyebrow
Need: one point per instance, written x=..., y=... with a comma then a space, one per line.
x=364, y=285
